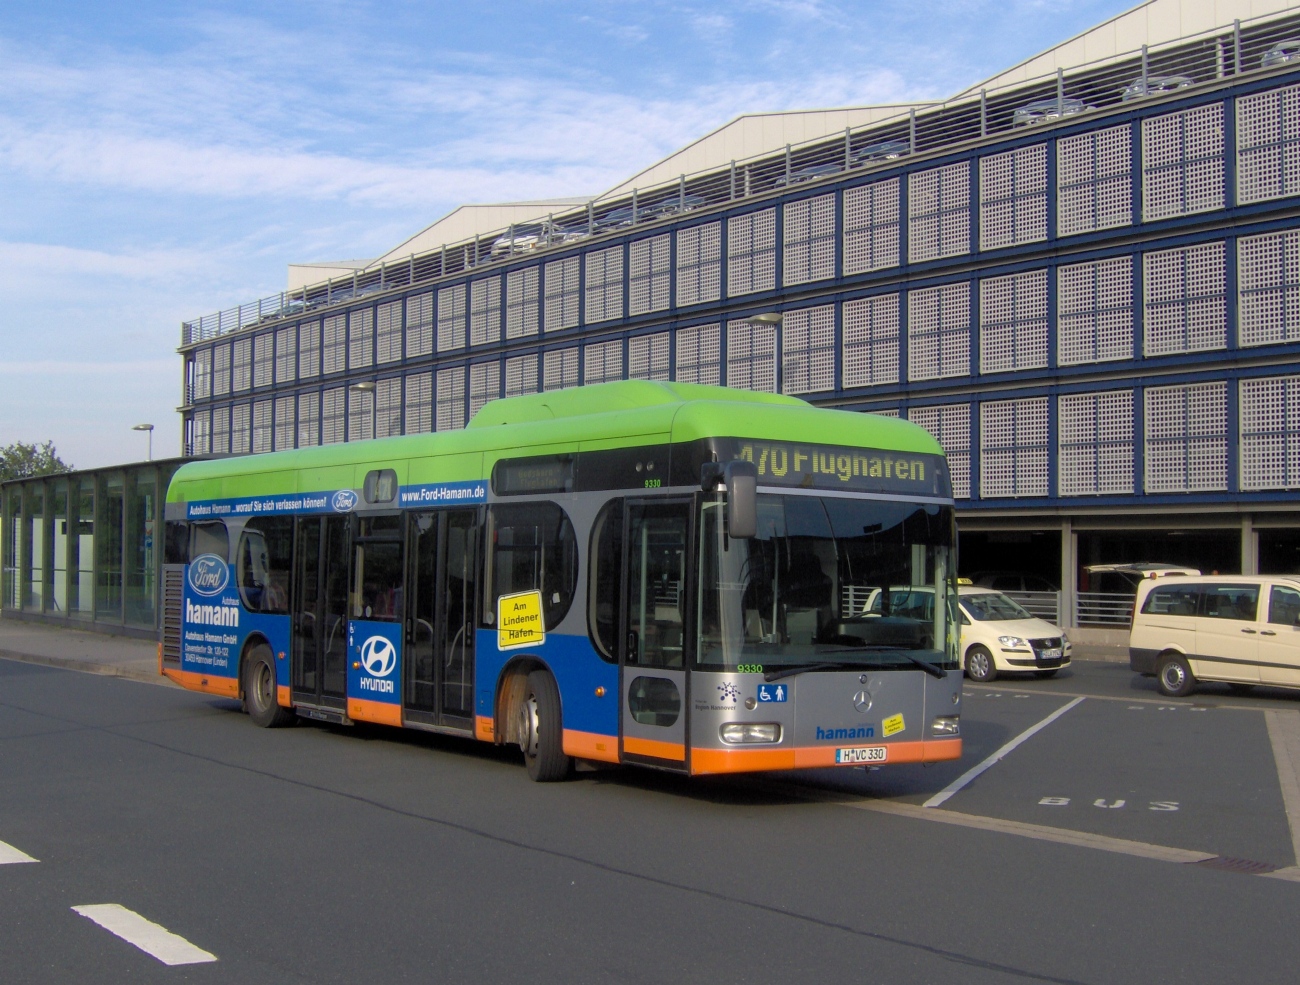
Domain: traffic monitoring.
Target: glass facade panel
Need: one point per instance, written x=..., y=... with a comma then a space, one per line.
x=138, y=554
x=110, y=501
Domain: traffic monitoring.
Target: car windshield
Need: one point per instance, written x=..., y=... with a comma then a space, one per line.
x=801, y=592
x=993, y=607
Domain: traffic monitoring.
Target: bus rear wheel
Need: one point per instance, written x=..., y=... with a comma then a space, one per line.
x=260, y=689
x=541, y=731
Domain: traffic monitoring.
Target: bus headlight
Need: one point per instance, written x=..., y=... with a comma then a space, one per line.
x=738, y=732
x=945, y=725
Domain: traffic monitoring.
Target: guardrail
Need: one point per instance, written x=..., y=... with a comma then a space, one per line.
x=1207, y=56
x=1103, y=609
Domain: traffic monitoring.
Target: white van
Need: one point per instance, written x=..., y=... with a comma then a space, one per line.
x=1240, y=629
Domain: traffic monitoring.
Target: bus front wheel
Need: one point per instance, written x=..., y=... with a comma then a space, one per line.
x=541, y=732
x=260, y=689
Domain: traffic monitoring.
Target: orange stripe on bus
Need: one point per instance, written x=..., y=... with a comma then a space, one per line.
x=361, y=710
x=653, y=747
x=282, y=696
x=749, y=760
x=591, y=745
x=226, y=686
x=484, y=728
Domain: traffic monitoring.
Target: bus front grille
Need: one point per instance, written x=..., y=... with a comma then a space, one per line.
x=173, y=595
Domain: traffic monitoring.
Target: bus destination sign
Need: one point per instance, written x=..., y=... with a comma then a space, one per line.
x=812, y=466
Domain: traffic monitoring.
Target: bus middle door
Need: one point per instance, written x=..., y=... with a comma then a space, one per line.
x=652, y=654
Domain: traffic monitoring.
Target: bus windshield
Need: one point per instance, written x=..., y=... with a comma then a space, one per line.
x=818, y=583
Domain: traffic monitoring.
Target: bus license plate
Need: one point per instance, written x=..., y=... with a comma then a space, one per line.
x=862, y=754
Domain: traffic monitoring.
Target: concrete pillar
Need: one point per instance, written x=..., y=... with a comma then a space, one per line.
x=1249, y=546
x=1069, y=565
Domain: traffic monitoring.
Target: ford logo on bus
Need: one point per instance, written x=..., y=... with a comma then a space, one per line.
x=378, y=656
x=209, y=575
x=344, y=501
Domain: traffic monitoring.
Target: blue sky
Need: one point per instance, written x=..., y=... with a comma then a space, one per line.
x=159, y=160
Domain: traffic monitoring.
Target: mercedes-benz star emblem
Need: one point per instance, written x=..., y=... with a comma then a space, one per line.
x=862, y=701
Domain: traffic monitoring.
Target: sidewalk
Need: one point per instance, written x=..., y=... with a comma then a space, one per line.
x=71, y=649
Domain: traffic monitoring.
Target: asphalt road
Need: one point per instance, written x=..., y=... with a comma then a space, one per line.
x=322, y=854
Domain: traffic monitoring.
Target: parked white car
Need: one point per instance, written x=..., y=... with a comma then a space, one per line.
x=997, y=634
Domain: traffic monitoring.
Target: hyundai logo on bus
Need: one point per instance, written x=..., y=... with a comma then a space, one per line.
x=209, y=575
x=344, y=501
x=379, y=657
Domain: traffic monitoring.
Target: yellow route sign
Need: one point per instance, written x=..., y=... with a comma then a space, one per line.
x=519, y=620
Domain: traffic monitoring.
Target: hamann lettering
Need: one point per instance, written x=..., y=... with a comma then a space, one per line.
x=211, y=615
x=836, y=734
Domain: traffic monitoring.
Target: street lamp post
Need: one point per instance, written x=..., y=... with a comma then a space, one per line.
x=149, y=428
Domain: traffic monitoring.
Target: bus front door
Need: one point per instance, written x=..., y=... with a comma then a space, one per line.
x=443, y=583
x=653, y=669
x=318, y=651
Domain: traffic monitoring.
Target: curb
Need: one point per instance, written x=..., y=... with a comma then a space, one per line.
x=88, y=667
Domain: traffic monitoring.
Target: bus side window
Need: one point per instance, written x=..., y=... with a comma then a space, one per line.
x=176, y=547
x=604, y=579
x=210, y=538
x=265, y=554
x=533, y=548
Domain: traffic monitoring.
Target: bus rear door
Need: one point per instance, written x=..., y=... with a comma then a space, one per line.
x=319, y=648
x=652, y=658
x=442, y=586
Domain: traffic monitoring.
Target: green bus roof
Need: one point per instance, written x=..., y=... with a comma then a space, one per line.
x=605, y=415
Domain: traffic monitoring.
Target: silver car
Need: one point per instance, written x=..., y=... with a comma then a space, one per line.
x=1281, y=53
x=1154, y=85
x=1048, y=111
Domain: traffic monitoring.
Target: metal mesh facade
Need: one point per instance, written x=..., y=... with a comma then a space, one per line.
x=560, y=368
x=808, y=350
x=419, y=325
x=950, y=426
x=333, y=416
x=751, y=356
x=871, y=227
x=521, y=303
x=361, y=338
x=484, y=385
x=417, y=403
x=1013, y=448
x=1013, y=197
x=1268, y=145
x=808, y=238
x=264, y=360
x=1184, y=300
x=699, y=263
x=648, y=357
x=1095, y=443
x=1094, y=178
x=285, y=423
x=1270, y=433
x=938, y=332
x=334, y=342
x=361, y=415
x=602, y=362
x=870, y=341
x=263, y=434
x=938, y=213
x=388, y=333
x=650, y=274
x=485, y=311
x=751, y=252
x=604, y=296
x=1187, y=438
x=308, y=419
x=451, y=318
x=1013, y=322
x=388, y=407
x=1182, y=162
x=1094, y=311
x=449, y=399
x=561, y=288
x=521, y=375
x=241, y=364
x=699, y=354
x=1268, y=289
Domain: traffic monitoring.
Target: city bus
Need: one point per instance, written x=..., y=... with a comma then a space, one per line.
x=672, y=575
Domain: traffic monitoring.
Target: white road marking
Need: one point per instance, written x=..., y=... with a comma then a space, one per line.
x=155, y=940
x=975, y=771
x=12, y=856
x=1284, y=734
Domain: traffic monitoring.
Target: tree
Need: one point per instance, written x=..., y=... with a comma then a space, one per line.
x=22, y=461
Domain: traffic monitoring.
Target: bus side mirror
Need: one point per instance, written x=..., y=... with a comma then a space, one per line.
x=742, y=499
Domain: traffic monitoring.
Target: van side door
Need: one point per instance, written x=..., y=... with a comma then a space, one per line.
x=1227, y=636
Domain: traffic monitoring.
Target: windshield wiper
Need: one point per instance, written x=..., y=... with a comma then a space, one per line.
x=925, y=665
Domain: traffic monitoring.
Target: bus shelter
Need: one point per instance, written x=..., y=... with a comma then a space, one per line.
x=83, y=548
